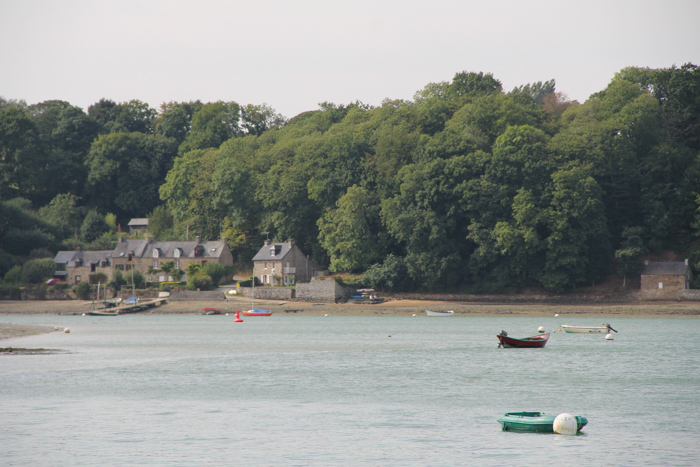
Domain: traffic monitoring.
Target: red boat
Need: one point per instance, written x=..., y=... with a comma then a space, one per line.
x=256, y=312
x=539, y=340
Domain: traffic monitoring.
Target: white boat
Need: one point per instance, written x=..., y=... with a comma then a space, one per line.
x=439, y=313
x=602, y=329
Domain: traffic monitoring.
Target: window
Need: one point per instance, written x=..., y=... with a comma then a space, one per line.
x=77, y=279
x=155, y=264
x=264, y=264
x=272, y=251
x=177, y=263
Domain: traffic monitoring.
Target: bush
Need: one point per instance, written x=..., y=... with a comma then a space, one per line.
x=138, y=279
x=38, y=270
x=83, y=291
x=200, y=281
x=96, y=277
x=10, y=292
x=62, y=286
x=14, y=275
x=392, y=275
x=214, y=270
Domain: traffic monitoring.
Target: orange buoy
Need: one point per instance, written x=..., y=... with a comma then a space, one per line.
x=238, y=317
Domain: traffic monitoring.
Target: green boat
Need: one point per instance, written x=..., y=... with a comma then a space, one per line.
x=534, y=422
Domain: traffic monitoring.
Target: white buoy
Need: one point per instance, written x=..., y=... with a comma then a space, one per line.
x=609, y=337
x=565, y=424
x=326, y=314
x=556, y=315
x=414, y=314
x=66, y=330
x=541, y=329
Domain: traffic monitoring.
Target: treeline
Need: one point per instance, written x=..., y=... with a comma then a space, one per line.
x=467, y=187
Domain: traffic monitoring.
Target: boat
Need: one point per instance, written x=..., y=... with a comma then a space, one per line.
x=209, y=310
x=534, y=422
x=604, y=328
x=102, y=313
x=256, y=312
x=439, y=312
x=540, y=340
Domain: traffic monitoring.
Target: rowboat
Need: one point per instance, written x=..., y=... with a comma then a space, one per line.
x=102, y=313
x=540, y=340
x=256, y=312
x=534, y=422
x=209, y=310
x=604, y=328
x=439, y=313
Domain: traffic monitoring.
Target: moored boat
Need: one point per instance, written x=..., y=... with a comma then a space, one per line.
x=256, y=312
x=534, y=422
x=439, y=313
x=208, y=310
x=102, y=313
x=603, y=328
x=540, y=340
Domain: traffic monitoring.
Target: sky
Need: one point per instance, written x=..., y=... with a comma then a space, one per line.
x=294, y=54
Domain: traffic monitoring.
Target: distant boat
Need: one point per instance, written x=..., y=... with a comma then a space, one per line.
x=534, y=422
x=208, y=310
x=439, y=313
x=102, y=313
x=602, y=329
x=256, y=312
x=527, y=342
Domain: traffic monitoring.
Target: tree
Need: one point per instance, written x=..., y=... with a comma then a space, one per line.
x=212, y=124
x=94, y=225
x=22, y=159
x=257, y=119
x=350, y=232
x=38, y=270
x=64, y=213
x=215, y=271
x=132, y=116
x=160, y=223
x=630, y=253
x=474, y=84
x=175, y=119
x=126, y=170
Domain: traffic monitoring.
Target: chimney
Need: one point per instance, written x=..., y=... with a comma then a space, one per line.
x=198, y=239
x=291, y=242
x=224, y=239
x=148, y=239
x=267, y=242
x=686, y=261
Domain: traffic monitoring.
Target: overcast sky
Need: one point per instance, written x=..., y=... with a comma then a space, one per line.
x=293, y=55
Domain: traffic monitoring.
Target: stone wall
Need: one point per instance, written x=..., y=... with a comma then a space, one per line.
x=267, y=293
x=655, y=287
x=323, y=289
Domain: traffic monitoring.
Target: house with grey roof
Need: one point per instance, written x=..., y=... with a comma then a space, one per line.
x=665, y=280
x=284, y=264
x=144, y=255
x=138, y=224
x=76, y=266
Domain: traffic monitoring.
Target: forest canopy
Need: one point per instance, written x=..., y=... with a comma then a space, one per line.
x=467, y=187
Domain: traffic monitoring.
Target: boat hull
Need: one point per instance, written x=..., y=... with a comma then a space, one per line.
x=534, y=422
x=439, y=313
x=585, y=329
x=256, y=312
x=528, y=342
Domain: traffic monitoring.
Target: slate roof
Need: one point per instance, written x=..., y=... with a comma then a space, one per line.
x=87, y=257
x=265, y=253
x=138, y=221
x=144, y=249
x=674, y=268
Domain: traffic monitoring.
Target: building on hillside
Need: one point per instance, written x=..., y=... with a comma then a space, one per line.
x=138, y=225
x=144, y=255
x=76, y=266
x=284, y=264
x=665, y=280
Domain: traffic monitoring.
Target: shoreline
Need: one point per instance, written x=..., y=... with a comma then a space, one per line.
x=396, y=307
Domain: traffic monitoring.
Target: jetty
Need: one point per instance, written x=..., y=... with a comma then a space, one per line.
x=140, y=305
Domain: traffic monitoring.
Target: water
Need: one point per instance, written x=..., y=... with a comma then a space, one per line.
x=165, y=390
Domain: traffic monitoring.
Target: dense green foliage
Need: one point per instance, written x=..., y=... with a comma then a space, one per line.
x=467, y=187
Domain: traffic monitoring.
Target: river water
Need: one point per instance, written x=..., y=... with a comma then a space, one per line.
x=289, y=390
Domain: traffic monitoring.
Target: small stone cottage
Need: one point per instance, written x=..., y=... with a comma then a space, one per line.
x=665, y=280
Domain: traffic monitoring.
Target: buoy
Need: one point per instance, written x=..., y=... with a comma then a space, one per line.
x=83, y=314
x=238, y=318
x=541, y=329
x=326, y=314
x=556, y=315
x=565, y=424
x=66, y=330
x=609, y=337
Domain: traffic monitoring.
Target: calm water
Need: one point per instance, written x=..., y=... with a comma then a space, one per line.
x=345, y=391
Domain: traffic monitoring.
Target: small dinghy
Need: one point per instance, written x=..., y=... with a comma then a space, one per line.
x=439, y=313
x=256, y=312
x=504, y=340
x=603, y=328
x=209, y=310
x=534, y=422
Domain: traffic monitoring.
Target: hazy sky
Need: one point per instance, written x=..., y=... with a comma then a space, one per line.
x=293, y=55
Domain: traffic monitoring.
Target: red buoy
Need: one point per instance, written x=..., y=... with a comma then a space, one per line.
x=238, y=317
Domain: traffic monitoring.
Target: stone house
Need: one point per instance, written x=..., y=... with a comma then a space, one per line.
x=284, y=264
x=143, y=255
x=75, y=267
x=138, y=225
x=665, y=280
